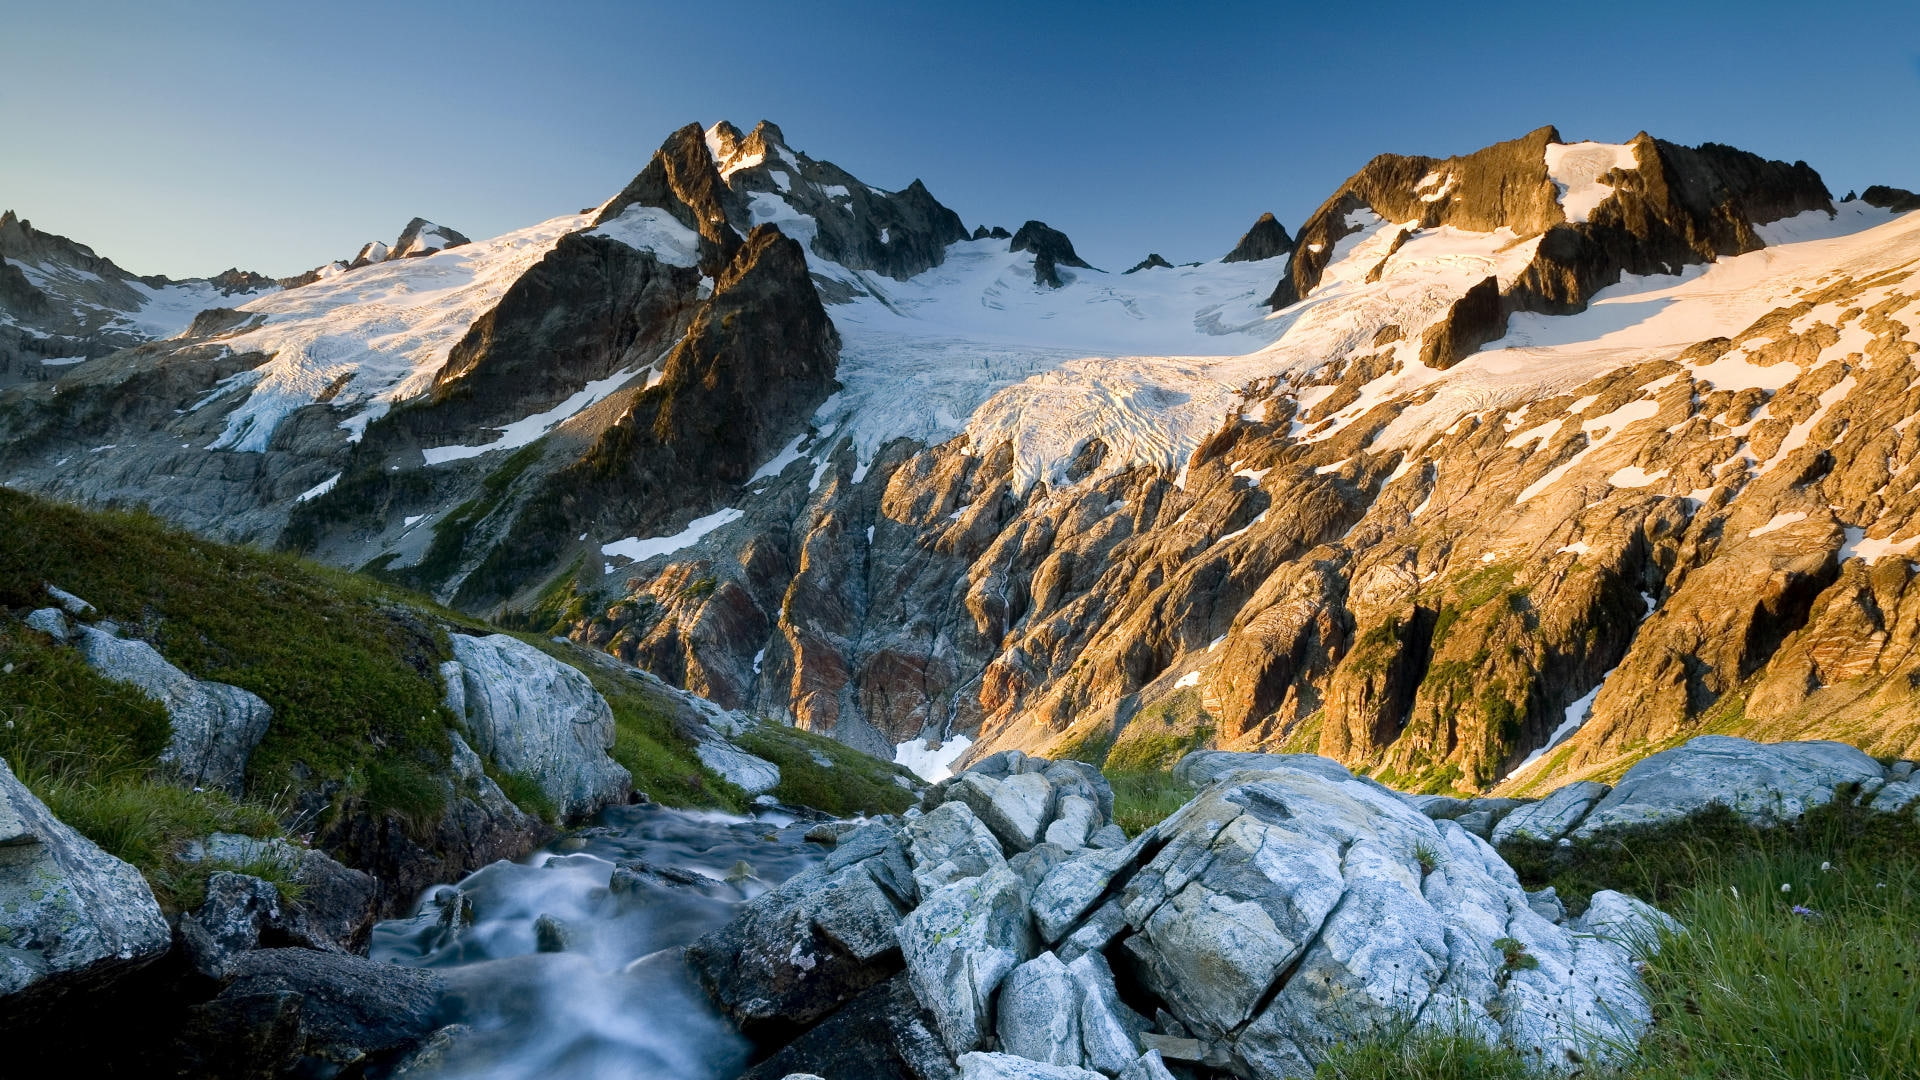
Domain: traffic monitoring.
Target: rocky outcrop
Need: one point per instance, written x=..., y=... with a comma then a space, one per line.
x=72, y=917
x=1898, y=200
x=681, y=179
x=1763, y=784
x=1150, y=262
x=1288, y=908
x=215, y=726
x=535, y=717
x=1267, y=239
x=1051, y=250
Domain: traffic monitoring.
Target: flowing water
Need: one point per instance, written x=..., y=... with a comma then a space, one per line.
x=557, y=972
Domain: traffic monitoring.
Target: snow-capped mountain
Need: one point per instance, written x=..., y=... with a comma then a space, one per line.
x=1469, y=468
x=61, y=304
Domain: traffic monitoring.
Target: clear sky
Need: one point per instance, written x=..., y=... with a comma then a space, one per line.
x=185, y=138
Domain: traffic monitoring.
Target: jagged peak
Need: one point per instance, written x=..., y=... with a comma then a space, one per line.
x=423, y=237
x=682, y=179
x=1267, y=239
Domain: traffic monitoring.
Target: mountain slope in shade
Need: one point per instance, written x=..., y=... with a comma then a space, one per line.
x=1464, y=470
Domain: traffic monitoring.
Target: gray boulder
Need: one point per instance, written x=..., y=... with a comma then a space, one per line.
x=959, y=944
x=1149, y=1066
x=1109, y=1032
x=70, y=603
x=1016, y=808
x=1552, y=817
x=745, y=771
x=239, y=913
x=1899, y=795
x=794, y=954
x=215, y=726
x=1285, y=911
x=1074, y=821
x=1626, y=921
x=71, y=915
x=1039, y=1012
x=1763, y=783
x=949, y=843
x=534, y=716
x=51, y=622
x=337, y=904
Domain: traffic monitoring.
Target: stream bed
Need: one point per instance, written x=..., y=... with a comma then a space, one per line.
x=566, y=965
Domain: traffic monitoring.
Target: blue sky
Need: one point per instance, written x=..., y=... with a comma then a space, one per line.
x=183, y=139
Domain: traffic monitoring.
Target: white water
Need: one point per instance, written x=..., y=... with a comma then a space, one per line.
x=618, y=1002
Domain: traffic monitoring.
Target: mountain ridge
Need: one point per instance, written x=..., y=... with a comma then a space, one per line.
x=1104, y=512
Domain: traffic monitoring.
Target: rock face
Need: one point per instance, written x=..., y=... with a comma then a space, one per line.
x=1051, y=250
x=1267, y=239
x=72, y=917
x=536, y=717
x=1152, y=260
x=215, y=726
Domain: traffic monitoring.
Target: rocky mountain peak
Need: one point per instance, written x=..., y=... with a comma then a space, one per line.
x=681, y=178
x=1051, y=250
x=1898, y=200
x=423, y=237
x=1267, y=239
x=1152, y=260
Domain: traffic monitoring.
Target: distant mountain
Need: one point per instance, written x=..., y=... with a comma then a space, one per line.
x=61, y=304
x=1571, y=447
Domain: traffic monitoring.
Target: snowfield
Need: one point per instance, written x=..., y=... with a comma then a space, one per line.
x=376, y=335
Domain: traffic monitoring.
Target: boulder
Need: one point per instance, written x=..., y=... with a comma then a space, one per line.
x=1016, y=808
x=795, y=953
x=239, y=915
x=534, y=716
x=337, y=905
x=1071, y=889
x=1897, y=796
x=750, y=774
x=947, y=844
x=71, y=604
x=1075, y=820
x=1285, y=911
x=1149, y=1066
x=1039, y=1012
x=1763, y=783
x=1109, y=1032
x=1552, y=817
x=959, y=944
x=51, y=622
x=71, y=915
x=1203, y=767
x=883, y=1034
x=1626, y=921
x=215, y=726
x=315, y=1013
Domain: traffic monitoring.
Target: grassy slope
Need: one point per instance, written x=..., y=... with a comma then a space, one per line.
x=350, y=666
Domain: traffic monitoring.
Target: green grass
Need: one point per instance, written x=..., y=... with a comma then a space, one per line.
x=347, y=665
x=89, y=748
x=1814, y=980
x=1144, y=798
x=855, y=783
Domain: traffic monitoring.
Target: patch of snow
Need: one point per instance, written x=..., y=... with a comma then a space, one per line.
x=1576, y=715
x=1191, y=678
x=1576, y=169
x=411, y=520
x=385, y=329
x=641, y=550
x=649, y=228
x=1578, y=547
x=1633, y=476
x=929, y=760
x=318, y=489
x=1857, y=546
x=60, y=361
x=1777, y=522
x=521, y=432
x=788, y=454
